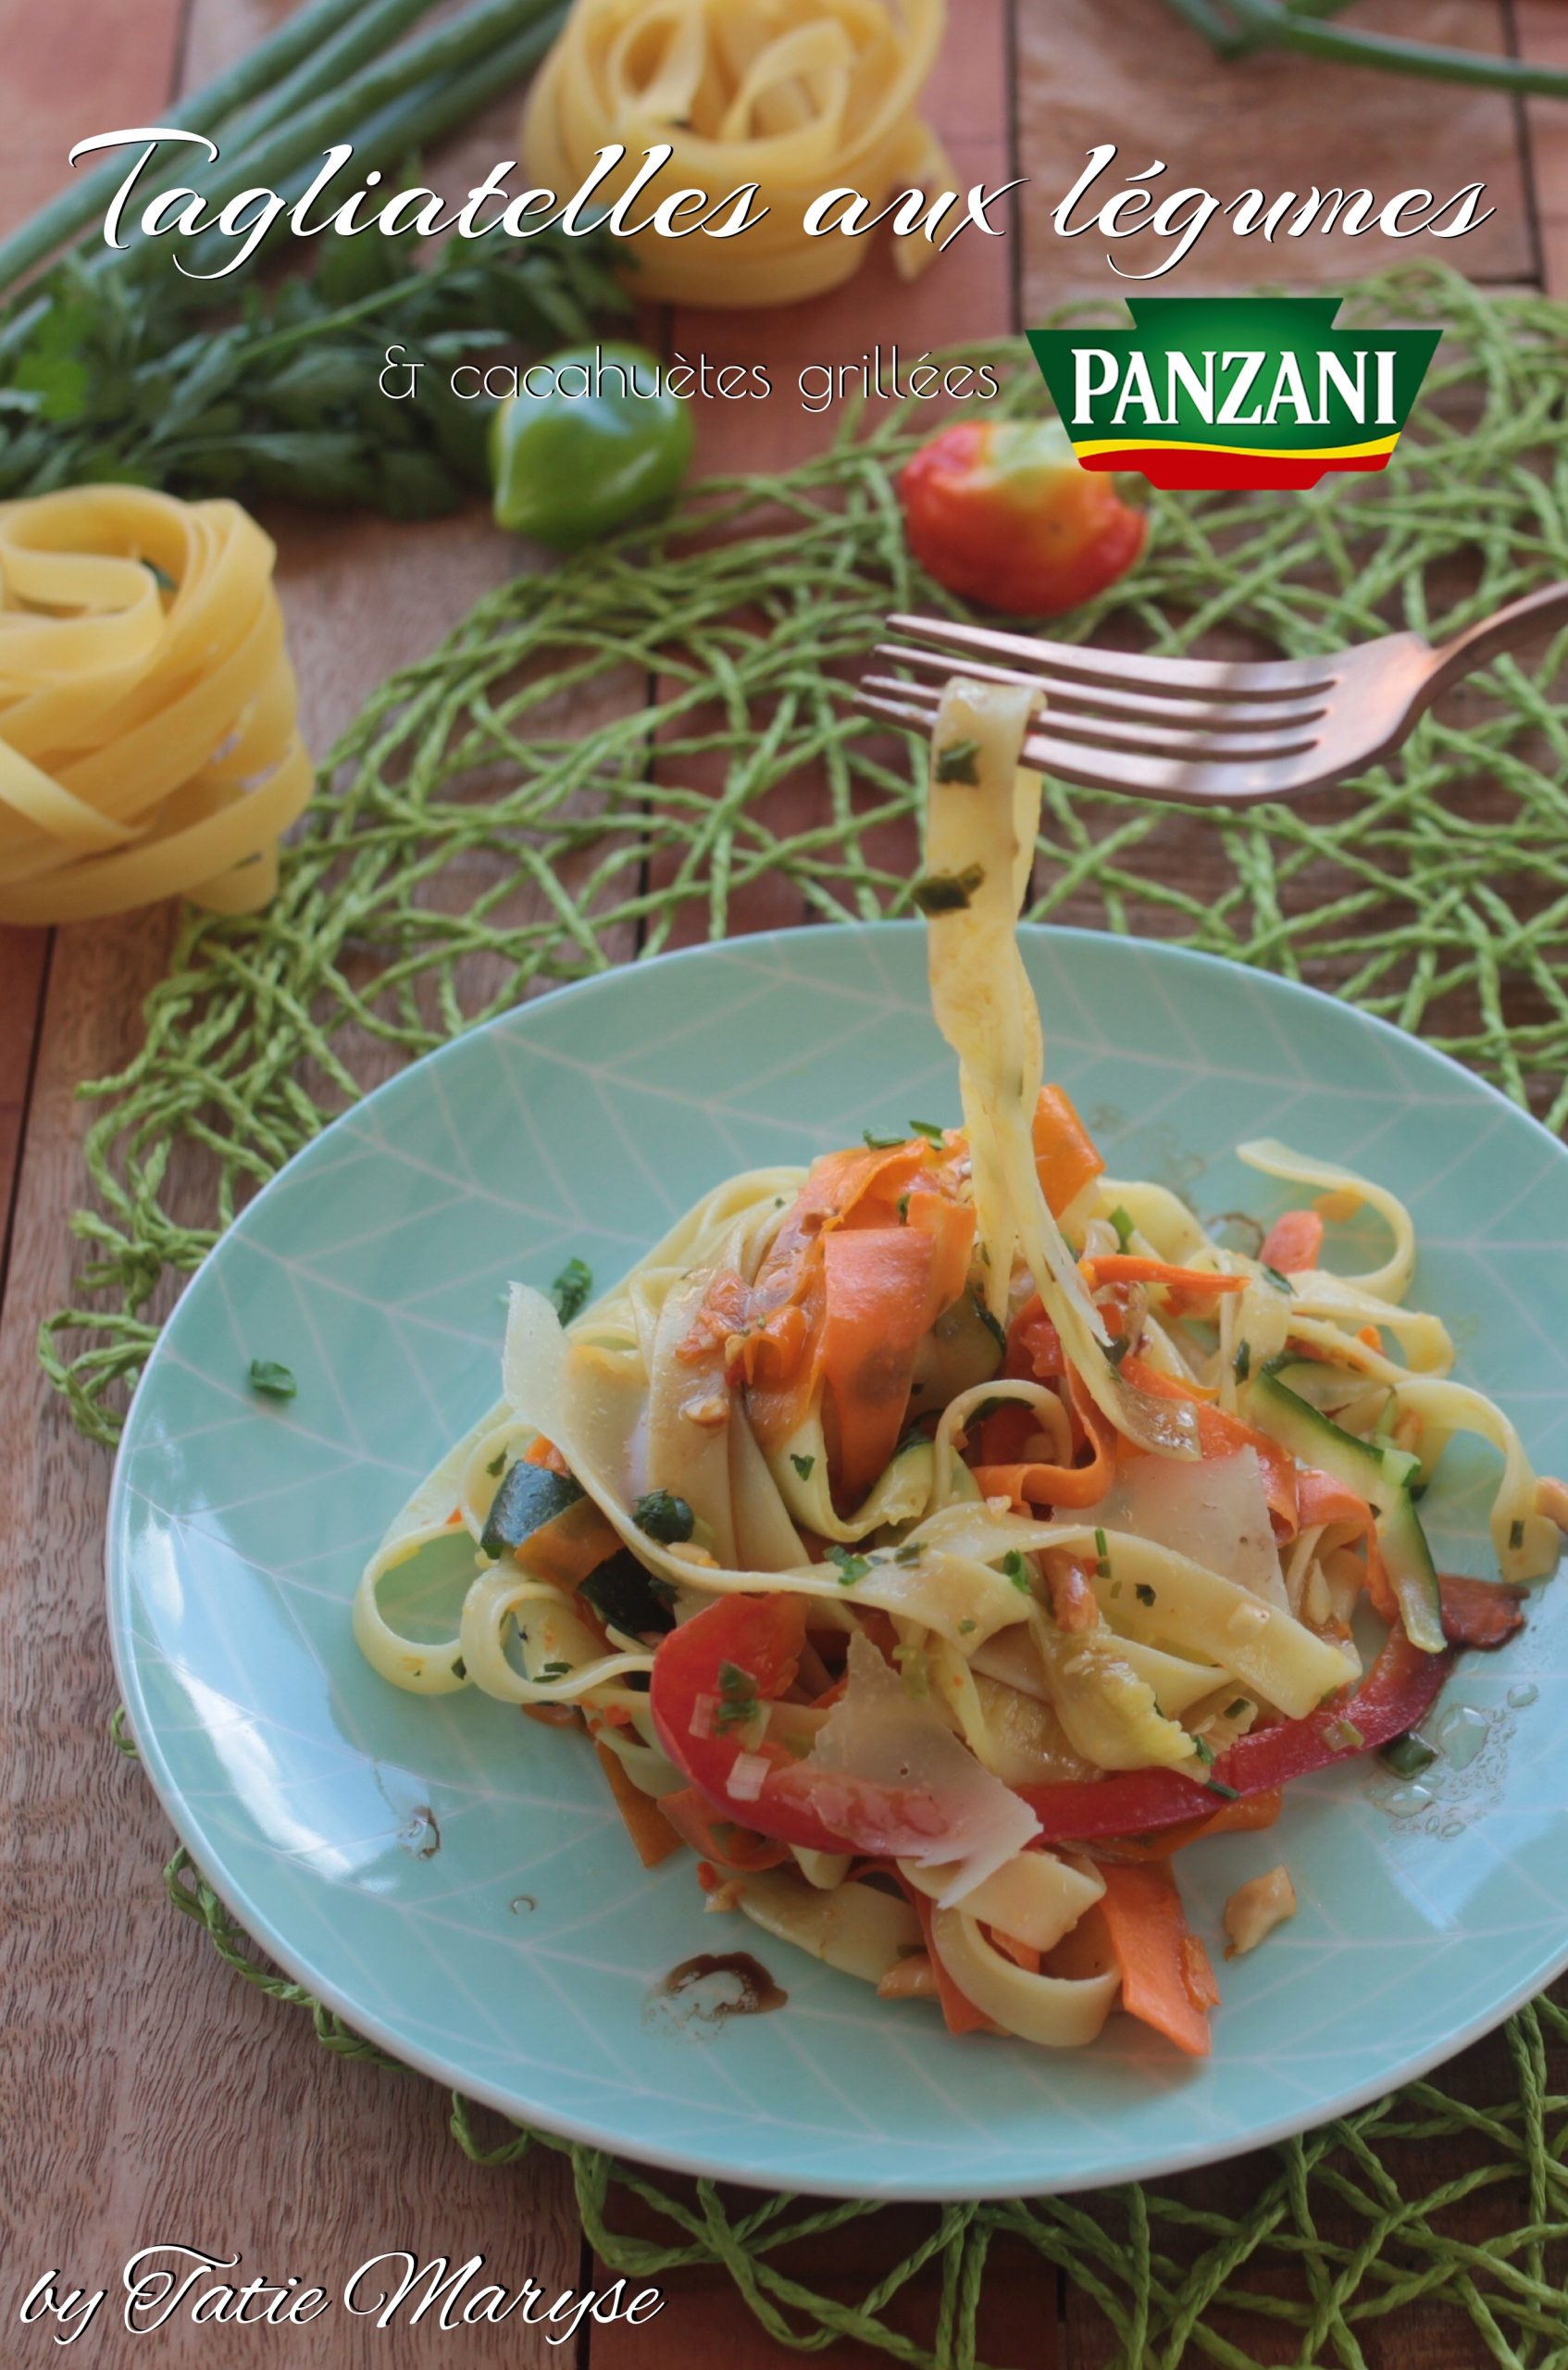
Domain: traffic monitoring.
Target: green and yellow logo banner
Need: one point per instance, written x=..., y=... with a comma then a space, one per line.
x=1213, y=392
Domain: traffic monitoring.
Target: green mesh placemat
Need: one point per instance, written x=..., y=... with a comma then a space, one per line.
x=655, y=742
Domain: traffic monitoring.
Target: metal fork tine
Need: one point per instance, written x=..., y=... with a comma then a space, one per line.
x=1200, y=784
x=1267, y=678
x=1222, y=716
x=1198, y=741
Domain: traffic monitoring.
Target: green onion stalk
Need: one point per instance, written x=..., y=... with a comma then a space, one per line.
x=1237, y=28
x=326, y=76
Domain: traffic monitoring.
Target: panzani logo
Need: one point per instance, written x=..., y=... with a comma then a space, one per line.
x=1213, y=392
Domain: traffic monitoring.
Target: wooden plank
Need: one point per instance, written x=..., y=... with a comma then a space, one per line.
x=240, y=2131
x=156, y=2097
x=24, y=956
x=704, y=2321
x=1541, y=33
x=1134, y=75
x=120, y=66
x=115, y=69
x=1423, y=2334
x=162, y=2098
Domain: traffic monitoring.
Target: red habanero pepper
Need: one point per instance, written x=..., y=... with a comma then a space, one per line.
x=999, y=512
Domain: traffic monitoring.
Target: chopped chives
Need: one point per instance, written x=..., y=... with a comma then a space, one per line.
x=956, y=763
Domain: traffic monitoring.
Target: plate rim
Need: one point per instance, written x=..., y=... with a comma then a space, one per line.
x=584, y=2131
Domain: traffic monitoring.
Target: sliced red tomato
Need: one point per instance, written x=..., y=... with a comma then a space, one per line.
x=999, y=512
x=1034, y=1346
x=743, y=1648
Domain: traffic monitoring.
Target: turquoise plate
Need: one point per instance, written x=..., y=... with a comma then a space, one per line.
x=452, y=1878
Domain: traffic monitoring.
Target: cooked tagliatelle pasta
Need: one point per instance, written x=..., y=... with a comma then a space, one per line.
x=939, y=1538
x=799, y=97
x=148, y=746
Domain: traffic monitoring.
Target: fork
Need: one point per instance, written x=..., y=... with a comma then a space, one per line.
x=1196, y=732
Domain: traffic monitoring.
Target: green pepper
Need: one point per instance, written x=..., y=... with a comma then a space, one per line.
x=570, y=467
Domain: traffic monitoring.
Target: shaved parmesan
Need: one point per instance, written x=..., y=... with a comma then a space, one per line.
x=1214, y=1512
x=880, y=1736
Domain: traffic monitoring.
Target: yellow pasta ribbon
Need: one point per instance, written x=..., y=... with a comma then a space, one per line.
x=148, y=745
x=798, y=96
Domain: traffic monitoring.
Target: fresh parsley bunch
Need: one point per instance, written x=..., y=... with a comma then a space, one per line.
x=115, y=366
x=136, y=376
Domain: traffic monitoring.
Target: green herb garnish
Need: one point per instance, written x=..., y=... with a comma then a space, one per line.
x=571, y=1289
x=804, y=1466
x=850, y=1567
x=930, y=1129
x=1143, y=1593
x=1117, y=1350
x=1239, y=1709
x=1204, y=1750
x=948, y=892
x=1241, y=1365
x=271, y=1380
x=1122, y=1225
x=1516, y=1534
x=664, y=1517
x=882, y=1144
x=1281, y=1283
x=910, y=1552
x=997, y=1330
x=553, y=1671
x=497, y=1465
x=1017, y=1571
x=955, y=761
x=966, y=1626
x=903, y=1209
x=1225, y=1793
x=737, y=1697
x=112, y=371
x=1102, y=1550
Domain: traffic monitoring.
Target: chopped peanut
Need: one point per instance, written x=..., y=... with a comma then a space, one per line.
x=1255, y=1909
x=913, y=1978
x=1551, y=1499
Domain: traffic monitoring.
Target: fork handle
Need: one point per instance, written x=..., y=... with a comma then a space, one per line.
x=1519, y=622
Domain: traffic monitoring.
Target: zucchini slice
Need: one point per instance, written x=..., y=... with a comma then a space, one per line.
x=628, y=1597
x=1382, y=1476
x=529, y=1497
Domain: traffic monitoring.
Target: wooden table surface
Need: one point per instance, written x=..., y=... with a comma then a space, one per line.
x=153, y=2096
